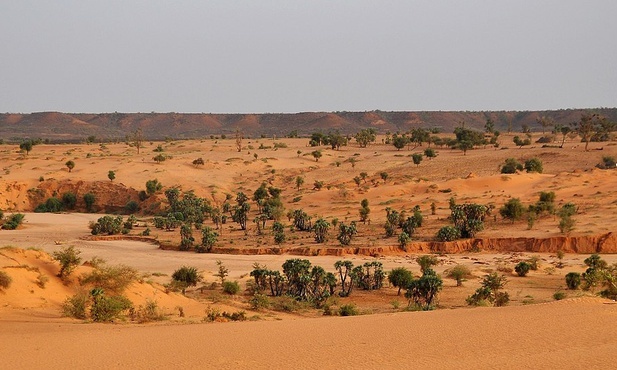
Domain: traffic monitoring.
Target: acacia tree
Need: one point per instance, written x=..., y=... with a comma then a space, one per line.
x=521, y=142
x=159, y=158
x=364, y=210
x=489, y=291
x=399, y=141
x=70, y=165
x=417, y=158
x=459, y=273
x=26, y=146
x=208, y=239
x=321, y=230
x=316, y=154
x=423, y=291
x=299, y=182
x=365, y=137
x=153, y=186
x=430, y=153
x=426, y=262
x=469, y=218
x=186, y=237
x=137, y=139
x=241, y=210
x=586, y=127
x=400, y=278
x=545, y=122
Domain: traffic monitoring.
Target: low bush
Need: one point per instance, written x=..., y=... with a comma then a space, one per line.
x=286, y=304
x=131, y=206
x=68, y=258
x=511, y=165
x=559, y=295
x=522, y=268
x=259, y=301
x=69, y=200
x=107, y=225
x=5, y=280
x=149, y=312
x=348, y=310
x=76, y=306
x=108, y=308
x=448, y=234
x=534, y=165
x=459, y=273
x=231, y=287
x=41, y=280
x=13, y=221
x=51, y=205
x=573, y=280
x=114, y=279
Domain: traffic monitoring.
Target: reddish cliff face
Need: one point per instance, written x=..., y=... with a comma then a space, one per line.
x=603, y=243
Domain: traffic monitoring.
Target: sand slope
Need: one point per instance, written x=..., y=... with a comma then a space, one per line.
x=568, y=334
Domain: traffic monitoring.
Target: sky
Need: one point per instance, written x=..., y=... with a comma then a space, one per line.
x=270, y=56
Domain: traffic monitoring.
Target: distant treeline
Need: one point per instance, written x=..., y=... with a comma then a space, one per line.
x=59, y=127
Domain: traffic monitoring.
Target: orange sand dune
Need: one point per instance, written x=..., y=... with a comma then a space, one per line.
x=569, y=334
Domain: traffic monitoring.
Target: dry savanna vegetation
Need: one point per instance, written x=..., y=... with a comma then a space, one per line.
x=240, y=228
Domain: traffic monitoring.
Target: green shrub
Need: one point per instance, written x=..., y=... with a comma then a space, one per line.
x=231, y=287
x=559, y=295
x=522, y=268
x=89, y=200
x=114, y=279
x=108, y=308
x=259, y=301
x=5, y=280
x=348, y=310
x=534, y=262
x=149, y=312
x=448, y=234
x=573, y=280
x=107, y=225
x=459, y=273
x=608, y=162
x=533, y=165
x=400, y=278
x=52, y=205
x=13, y=221
x=512, y=210
x=131, y=206
x=69, y=200
x=186, y=277
x=68, y=258
x=511, y=166
x=286, y=304
x=75, y=306
x=489, y=291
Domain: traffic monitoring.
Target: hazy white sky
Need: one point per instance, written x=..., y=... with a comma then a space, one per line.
x=318, y=55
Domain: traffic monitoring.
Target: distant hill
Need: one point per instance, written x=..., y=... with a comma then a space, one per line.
x=66, y=127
